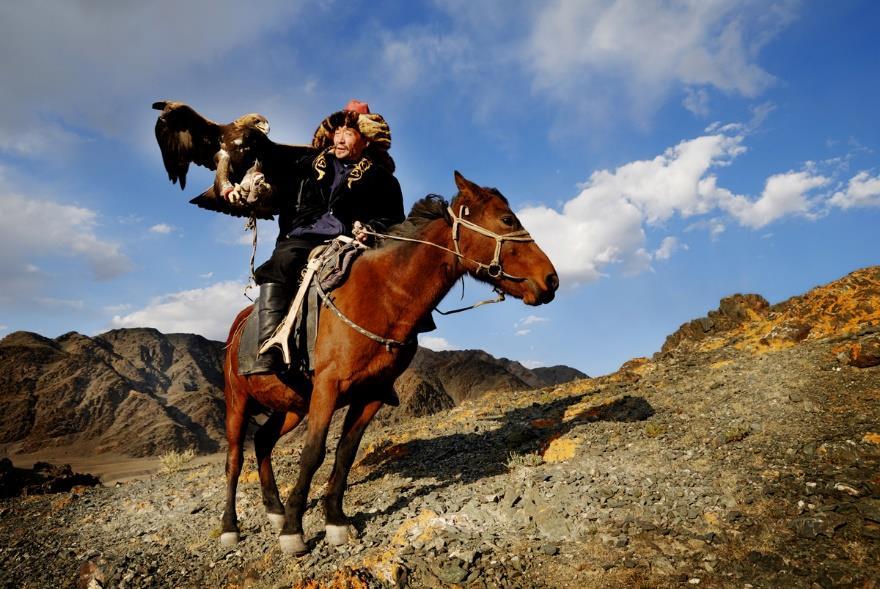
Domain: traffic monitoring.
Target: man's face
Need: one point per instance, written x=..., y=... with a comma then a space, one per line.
x=348, y=143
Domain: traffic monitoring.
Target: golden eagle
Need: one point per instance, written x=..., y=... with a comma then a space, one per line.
x=250, y=167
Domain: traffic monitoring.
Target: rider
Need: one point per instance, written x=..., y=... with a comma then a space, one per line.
x=351, y=179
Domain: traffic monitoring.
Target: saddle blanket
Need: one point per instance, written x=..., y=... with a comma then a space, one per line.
x=336, y=261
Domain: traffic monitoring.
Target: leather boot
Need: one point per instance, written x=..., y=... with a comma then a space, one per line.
x=274, y=299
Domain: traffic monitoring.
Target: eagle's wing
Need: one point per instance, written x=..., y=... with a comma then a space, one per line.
x=211, y=201
x=185, y=136
x=276, y=161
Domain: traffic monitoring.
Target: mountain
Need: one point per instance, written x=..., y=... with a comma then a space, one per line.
x=745, y=453
x=132, y=391
x=140, y=392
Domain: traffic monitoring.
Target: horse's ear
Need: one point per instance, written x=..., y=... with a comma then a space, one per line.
x=465, y=185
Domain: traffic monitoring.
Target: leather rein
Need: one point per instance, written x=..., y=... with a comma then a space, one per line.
x=493, y=269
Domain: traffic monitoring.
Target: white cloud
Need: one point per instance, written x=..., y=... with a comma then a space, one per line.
x=863, y=190
x=414, y=56
x=432, y=342
x=522, y=332
x=668, y=246
x=162, y=228
x=530, y=320
x=649, y=47
x=36, y=228
x=206, y=311
x=116, y=309
x=784, y=194
x=606, y=222
x=532, y=364
x=696, y=101
x=206, y=275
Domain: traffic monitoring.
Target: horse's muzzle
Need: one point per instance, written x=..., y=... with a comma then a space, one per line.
x=542, y=294
x=551, y=283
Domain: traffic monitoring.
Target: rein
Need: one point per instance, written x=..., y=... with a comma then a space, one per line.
x=328, y=302
x=493, y=269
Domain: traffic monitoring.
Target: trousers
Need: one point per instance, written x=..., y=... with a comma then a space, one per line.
x=285, y=264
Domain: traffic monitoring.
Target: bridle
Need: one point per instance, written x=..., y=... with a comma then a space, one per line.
x=493, y=268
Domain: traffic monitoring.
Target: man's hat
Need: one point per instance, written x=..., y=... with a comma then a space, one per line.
x=357, y=115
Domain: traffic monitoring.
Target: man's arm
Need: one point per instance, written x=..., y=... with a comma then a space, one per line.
x=388, y=209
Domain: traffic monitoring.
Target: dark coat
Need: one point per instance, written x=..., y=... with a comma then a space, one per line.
x=368, y=193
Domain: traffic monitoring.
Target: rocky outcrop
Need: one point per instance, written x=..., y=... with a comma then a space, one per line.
x=43, y=478
x=732, y=312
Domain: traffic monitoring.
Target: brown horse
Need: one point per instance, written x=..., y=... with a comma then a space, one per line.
x=390, y=292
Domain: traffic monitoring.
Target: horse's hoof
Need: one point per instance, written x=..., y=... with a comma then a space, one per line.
x=292, y=544
x=277, y=520
x=229, y=538
x=339, y=535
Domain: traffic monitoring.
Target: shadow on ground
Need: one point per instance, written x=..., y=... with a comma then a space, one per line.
x=469, y=457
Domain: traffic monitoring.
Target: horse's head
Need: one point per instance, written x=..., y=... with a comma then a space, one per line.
x=500, y=250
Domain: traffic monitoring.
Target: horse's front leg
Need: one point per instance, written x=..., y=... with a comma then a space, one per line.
x=320, y=412
x=356, y=420
x=278, y=424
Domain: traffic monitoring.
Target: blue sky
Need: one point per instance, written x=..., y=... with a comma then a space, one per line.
x=664, y=154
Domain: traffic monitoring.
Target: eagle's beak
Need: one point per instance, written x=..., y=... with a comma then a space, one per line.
x=263, y=126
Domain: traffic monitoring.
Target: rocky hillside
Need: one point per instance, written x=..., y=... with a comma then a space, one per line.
x=130, y=391
x=437, y=381
x=744, y=454
x=139, y=392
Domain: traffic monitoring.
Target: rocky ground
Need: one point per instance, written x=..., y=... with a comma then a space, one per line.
x=744, y=455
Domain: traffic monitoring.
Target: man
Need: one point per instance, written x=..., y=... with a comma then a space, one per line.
x=351, y=179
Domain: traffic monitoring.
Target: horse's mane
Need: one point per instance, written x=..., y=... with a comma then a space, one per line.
x=423, y=212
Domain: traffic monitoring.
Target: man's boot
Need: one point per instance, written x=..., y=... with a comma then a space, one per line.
x=274, y=299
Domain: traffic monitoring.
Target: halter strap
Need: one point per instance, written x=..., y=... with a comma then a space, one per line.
x=493, y=268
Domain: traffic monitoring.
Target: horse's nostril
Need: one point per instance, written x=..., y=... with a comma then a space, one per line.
x=552, y=281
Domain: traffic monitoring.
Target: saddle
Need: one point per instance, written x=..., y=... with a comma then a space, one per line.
x=328, y=267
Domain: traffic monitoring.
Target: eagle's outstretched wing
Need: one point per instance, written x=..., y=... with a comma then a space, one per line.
x=275, y=161
x=185, y=136
x=239, y=152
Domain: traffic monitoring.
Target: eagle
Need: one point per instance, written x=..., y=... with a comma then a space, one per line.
x=249, y=166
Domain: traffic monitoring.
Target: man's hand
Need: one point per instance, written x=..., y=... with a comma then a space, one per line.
x=253, y=187
x=359, y=230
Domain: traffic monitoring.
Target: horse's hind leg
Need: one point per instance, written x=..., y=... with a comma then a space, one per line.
x=356, y=420
x=278, y=424
x=236, y=422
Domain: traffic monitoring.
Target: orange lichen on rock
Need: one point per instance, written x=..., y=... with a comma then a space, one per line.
x=561, y=449
x=871, y=438
x=840, y=308
x=378, y=453
x=544, y=422
x=345, y=578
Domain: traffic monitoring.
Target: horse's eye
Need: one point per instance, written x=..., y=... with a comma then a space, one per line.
x=507, y=220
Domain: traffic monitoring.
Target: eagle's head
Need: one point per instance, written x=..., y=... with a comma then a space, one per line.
x=256, y=121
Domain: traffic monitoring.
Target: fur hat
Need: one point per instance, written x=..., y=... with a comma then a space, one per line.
x=356, y=115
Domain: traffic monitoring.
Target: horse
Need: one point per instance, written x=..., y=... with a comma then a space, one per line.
x=390, y=291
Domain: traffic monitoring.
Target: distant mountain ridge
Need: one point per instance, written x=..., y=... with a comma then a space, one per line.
x=141, y=392
x=128, y=390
